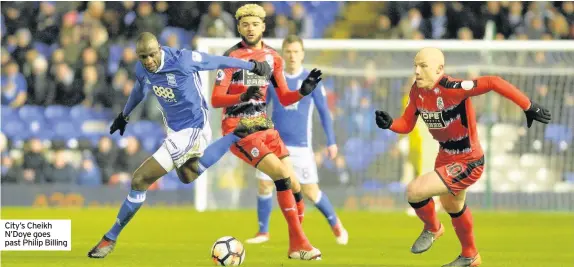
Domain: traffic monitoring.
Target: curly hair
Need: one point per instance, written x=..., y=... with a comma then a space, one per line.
x=250, y=10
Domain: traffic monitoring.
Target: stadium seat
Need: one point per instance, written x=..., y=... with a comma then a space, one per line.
x=14, y=128
x=150, y=144
x=557, y=133
x=8, y=112
x=80, y=113
x=28, y=113
x=57, y=113
x=65, y=130
x=354, y=154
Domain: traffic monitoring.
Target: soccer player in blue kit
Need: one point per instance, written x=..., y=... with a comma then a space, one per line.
x=172, y=76
x=294, y=124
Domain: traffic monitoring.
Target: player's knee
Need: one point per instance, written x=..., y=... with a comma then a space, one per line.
x=139, y=181
x=279, y=172
x=451, y=206
x=311, y=193
x=265, y=188
x=415, y=193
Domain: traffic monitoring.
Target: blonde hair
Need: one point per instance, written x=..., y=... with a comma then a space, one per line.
x=250, y=10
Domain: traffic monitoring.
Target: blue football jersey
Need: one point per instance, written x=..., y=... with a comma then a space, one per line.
x=177, y=85
x=294, y=122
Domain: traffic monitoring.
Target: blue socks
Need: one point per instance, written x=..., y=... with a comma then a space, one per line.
x=215, y=151
x=129, y=208
x=324, y=205
x=264, y=206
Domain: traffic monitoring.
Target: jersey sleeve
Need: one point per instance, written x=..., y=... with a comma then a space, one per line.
x=485, y=84
x=286, y=97
x=406, y=123
x=219, y=97
x=199, y=61
x=320, y=100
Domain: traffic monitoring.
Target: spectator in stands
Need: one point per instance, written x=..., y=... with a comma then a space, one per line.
x=34, y=164
x=283, y=27
x=89, y=174
x=47, y=27
x=515, y=19
x=217, y=22
x=106, y=156
x=60, y=171
x=461, y=16
x=558, y=27
x=95, y=89
x=303, y=22
x=493, y=12
x=41, y=89
x=90, y=59
x=465, y=34
x=18, y=15
x=72, y=46
x=270, y=19
x=56, y=59
x=535, y=29
x=568, y=11
x=130, y=158
x=384, y=29
x=14, y=86
x=11, y=172
x=436, y=27
x=146, y=20
x=129, y=60
x=99, y=42
x=68, y=89
x=410, y=23
x=24, y=37
x=26, y=68
x=5, y=57
x=92, y=17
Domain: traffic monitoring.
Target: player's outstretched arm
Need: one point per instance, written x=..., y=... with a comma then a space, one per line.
x=203, y=61
x=404, y=124
x=136, y=96
x=484, y=84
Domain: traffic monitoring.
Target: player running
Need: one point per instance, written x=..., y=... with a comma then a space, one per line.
x=294, y=126
x=445, y=106
x=172, y=76
x=242, y=95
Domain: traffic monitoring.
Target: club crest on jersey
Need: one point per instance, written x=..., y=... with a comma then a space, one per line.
x=255, y=152
x=220, y=75
x=171, y=81
x=439, y=103
x=433, y=120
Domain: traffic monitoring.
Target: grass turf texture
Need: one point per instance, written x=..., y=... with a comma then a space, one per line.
x=183, y=237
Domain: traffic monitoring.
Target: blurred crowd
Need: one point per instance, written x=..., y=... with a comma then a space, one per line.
x=467, y=20
x=82, y=53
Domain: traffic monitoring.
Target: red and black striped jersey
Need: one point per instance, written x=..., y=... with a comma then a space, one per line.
x=449, y=115
x=231, y=83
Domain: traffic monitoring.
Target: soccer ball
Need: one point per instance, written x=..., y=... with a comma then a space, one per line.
x=228, y=251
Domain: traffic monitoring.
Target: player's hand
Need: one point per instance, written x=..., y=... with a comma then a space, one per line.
x=538, y=113
x=310, y=83
x=261, y=68
x=253, y=92
x=332, y=151
x=383, y=119
x=119, y=124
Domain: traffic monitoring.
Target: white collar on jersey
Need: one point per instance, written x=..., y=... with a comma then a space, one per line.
x=296, y=74
x=162, y=61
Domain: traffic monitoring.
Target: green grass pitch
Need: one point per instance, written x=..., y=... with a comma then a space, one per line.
x=183, y=237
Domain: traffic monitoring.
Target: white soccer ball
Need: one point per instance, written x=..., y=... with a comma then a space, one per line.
x=228, y=251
